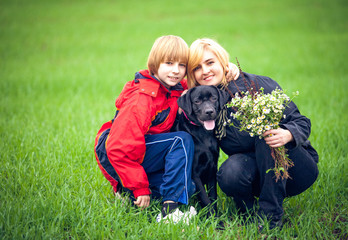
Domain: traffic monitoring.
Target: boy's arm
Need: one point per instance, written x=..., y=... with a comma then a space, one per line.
x=232, y=72
x=143, y=201
x=126, y=147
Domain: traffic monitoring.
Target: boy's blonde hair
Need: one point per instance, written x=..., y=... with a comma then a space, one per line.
x=197, y=49
x=167, y=48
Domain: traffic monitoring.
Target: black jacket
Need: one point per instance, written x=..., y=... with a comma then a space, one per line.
x=299, y=125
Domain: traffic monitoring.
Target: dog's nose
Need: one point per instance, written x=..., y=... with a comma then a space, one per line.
x=209, y=111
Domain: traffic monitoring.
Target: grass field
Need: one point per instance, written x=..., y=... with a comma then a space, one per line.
x=63, y=63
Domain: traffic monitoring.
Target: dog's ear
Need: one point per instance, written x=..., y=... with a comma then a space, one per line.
x=185, y=103
x=224, y=97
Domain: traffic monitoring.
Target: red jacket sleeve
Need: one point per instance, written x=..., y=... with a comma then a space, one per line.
x=125, y=145
x=184, y=83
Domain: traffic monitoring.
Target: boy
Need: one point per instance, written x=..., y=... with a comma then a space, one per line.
x=135, y=151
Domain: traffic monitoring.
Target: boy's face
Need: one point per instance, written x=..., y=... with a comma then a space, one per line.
x=171, y=73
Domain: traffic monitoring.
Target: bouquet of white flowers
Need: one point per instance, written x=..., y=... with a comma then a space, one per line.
x=258, y=112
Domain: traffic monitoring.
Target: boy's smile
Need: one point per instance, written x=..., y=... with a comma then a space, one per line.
x=171, y=73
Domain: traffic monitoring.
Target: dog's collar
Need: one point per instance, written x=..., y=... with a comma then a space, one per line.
x=188, y=118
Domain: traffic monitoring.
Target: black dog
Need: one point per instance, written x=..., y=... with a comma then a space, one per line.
x=201, y=106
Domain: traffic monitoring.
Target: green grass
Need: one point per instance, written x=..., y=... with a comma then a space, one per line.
x=63, y=63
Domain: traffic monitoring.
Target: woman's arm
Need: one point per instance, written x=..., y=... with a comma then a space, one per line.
x=294, y=128
x=277, y=137
x=297, y=124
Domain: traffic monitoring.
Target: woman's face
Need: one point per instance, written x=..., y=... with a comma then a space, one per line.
x=209, y=71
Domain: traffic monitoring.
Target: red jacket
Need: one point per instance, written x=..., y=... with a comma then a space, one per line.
x=145, y=106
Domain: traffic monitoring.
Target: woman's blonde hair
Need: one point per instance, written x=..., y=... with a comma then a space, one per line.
x=197, y=49
x=167, y=48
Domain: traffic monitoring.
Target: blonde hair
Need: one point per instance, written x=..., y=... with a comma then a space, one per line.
x=197, y=49
x=167, y=48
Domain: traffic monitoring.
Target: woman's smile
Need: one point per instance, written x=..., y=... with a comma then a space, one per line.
x=209, y=71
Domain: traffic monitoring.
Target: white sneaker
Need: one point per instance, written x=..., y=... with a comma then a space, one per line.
x=189, y=214
x=177, y=216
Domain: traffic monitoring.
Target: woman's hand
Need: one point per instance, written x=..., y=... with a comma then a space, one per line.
x=143, y=201
x=277, y=137
x=232, y=72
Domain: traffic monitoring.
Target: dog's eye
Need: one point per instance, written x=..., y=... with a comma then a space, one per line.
x=213, y=98
x=197, y=101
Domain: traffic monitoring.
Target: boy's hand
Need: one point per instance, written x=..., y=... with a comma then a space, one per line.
x=232, y=72
x=277, y=137
x=182, y=94
x=143, y=201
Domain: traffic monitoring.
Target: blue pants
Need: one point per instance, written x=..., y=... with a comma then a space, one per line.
x=168, y=165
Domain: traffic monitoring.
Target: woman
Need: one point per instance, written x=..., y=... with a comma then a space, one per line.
x=244, y=174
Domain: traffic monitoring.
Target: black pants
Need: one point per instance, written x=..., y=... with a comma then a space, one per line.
x=243, y=176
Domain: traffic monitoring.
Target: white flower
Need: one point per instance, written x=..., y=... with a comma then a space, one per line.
x=260, y=112
x=266, y=111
